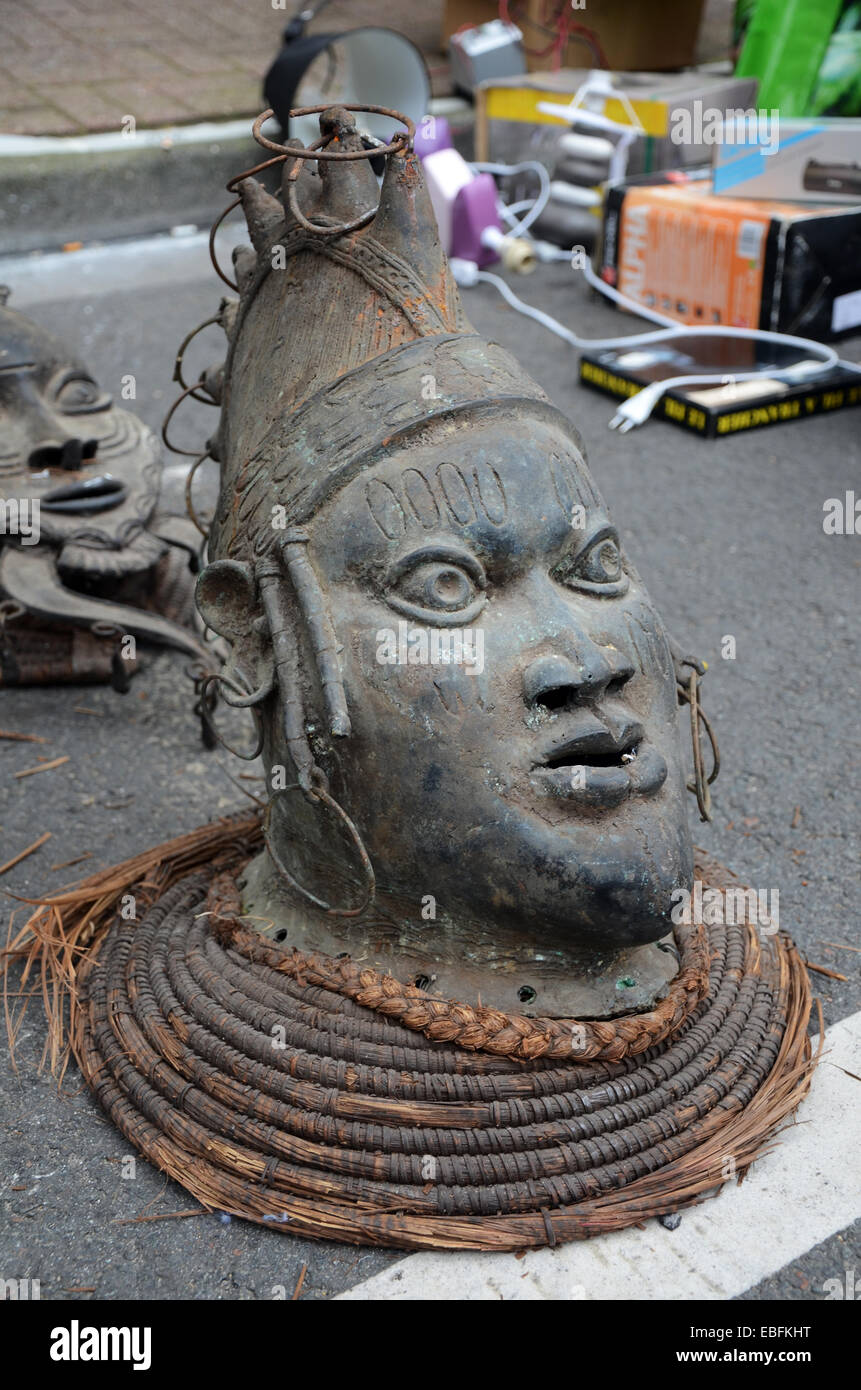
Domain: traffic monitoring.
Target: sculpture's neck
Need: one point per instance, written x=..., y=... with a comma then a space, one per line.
x=467, y=959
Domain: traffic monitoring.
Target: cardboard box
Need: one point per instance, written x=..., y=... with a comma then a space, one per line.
x=631, y=34
x=459, y=13
x=675, y=246
x=509, y=126
x=811, y=161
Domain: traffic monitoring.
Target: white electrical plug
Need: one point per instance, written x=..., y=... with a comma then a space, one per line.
x=466, y=273
x=515, y=252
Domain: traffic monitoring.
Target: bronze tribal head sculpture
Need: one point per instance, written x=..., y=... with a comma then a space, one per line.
x=83, y=545
x=461, y=685
x=459, y=1035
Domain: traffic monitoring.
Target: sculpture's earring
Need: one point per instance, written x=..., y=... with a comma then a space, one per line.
x=688, y=693
x=320, y=793
x=311, y=778
x=213, y=683
x=225, y=596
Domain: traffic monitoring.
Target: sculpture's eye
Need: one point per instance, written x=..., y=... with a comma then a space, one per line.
x=80, y=394
x=596, y=568
x=437, y=586
x=602, y=562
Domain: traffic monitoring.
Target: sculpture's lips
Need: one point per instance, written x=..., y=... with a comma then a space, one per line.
x=597, y=767
x=596, y=747
x=96, y=494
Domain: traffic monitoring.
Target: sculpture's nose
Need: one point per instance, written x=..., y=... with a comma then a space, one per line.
x=555, y=682
x=66, y=453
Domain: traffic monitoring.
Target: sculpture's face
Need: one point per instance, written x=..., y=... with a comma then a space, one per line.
x=93, y=468
x=536, y=776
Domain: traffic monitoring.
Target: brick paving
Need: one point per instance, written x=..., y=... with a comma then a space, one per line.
x=71, y=66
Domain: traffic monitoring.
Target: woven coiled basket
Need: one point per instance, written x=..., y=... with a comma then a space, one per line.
x=274, y=1097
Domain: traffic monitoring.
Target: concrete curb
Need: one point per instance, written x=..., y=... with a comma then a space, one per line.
x=60, y=189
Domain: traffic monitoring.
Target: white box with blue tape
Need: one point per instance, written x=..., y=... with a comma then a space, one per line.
x=812, y=161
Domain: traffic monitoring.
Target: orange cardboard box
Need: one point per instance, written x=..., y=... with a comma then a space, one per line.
x=676, y=247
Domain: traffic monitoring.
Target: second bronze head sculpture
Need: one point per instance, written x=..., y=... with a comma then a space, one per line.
x=464, y=694
x=99, y=557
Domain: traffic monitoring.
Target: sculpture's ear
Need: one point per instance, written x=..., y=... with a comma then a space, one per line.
x=226, y=598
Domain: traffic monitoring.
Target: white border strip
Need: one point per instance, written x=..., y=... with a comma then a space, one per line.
x=794, y=1197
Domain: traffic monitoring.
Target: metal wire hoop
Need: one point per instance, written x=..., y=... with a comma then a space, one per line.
x=319, y=793
x=215, y=678
x=189, y=390
x=402, y=140
x=180, y=354
x=231, y=284
x=701, y=783
x=247, y=699
x=189, y=504
x=320, y=228
x=318, y=150
x=232, y=185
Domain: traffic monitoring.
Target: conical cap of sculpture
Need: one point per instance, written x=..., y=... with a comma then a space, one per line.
x=342, y=340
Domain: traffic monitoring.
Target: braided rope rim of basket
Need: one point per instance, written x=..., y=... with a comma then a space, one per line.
x=475, y=1026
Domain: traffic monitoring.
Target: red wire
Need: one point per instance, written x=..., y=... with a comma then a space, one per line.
x=567, y=29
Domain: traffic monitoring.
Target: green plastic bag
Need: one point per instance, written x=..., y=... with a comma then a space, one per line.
x=837, y=91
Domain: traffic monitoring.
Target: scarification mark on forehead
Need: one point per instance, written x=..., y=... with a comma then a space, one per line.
x=648, y=640
x=455, y=490
x=573, y=485
x=385, y=509
x=425, y=498
x=419, y=498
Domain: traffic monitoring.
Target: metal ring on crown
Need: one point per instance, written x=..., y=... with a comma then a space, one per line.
x=402, y=140
x=398, y=144
x=319, y=793
x=174, y=449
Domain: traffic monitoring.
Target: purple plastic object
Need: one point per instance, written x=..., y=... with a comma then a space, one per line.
x=432, y=133
x=474, y=210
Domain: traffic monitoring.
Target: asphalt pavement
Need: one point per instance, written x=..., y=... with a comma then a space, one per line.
x=729, y=537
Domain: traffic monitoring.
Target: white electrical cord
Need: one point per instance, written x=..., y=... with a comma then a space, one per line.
x=537, y=206
x=638, y=408
x=671, y=327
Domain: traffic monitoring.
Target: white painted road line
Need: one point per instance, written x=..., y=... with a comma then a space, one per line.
x=792, y=1198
